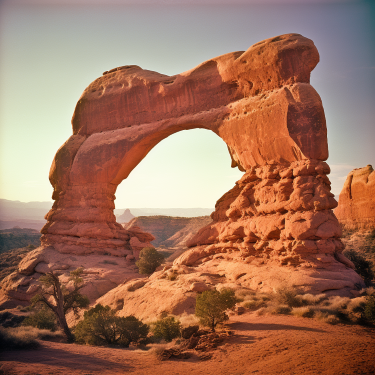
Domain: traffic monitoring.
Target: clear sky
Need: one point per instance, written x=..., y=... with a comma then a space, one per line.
x=50, y=50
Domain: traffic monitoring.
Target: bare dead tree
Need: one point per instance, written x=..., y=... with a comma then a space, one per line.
x=61, y=299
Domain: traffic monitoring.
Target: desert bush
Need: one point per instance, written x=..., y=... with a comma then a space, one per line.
x=167, y=328
x=261, y=311
x=311, y=299
x=7, y=319
x=172, y=276
x=356, y=305
x=158, y=348
x=211, y=306
x=42, y=318
x=304, y=311
x=279, y=309
x=253, y=304
x=371, y=236
x=245, y=295
x=369, y=309
x=100, y=326
x=13, y=339
x=149, y=260
x=188, y=320
x=326, y=317
x=336, y=302
x=287, y=296
x=362, y=266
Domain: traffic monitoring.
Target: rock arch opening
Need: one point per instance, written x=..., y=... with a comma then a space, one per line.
x=189, y=169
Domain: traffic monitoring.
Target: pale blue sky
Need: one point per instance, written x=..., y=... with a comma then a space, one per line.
x=50, y=53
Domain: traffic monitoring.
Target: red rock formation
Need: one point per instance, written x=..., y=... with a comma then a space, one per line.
x=260, y=102
x=356, y=209
x=169, y=231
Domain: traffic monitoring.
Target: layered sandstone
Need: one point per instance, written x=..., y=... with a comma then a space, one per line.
x=276, y=224
x=356, y=209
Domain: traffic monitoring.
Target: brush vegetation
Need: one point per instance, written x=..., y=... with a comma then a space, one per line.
x=330, y=309
x=101, y=326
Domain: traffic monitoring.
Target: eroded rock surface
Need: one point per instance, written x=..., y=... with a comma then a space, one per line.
x=356, y=209
x=275, y=225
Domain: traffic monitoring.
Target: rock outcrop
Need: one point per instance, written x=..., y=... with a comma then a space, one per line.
x=356, y=208
x=275, y=225
x=169, y=231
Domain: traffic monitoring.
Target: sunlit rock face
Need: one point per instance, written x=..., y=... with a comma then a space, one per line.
x=259, y=102
x=356, y=209
x=276, y=222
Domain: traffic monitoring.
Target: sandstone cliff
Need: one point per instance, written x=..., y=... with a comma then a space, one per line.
x=356, y=208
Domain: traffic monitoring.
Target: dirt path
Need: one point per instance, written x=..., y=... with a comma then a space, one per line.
x=262, y=345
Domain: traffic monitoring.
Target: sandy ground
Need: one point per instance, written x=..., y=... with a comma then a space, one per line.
x=261, y=345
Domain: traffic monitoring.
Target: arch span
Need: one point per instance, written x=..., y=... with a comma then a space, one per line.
x=276, y=226
x=259, y=101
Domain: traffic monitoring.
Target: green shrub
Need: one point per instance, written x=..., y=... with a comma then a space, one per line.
x=167, y=328
x=149, y=260
x=362, y=266
x=100, y=326
x=42, y=318
x=211, y=306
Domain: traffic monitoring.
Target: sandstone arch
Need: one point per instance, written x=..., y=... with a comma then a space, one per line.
x=275, y=226
x=258, y=101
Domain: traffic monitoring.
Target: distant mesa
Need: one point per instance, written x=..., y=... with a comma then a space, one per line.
x=274, y=227
x=356, y=209
x=125, y=217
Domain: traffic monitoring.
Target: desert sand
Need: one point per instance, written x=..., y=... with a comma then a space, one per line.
x=261, y=345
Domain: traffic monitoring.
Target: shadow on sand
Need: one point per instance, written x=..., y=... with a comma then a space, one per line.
x=59, y=357
x=243, y=326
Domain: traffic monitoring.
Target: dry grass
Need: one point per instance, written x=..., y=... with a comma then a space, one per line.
x=157, y=348
x=187, y=320
x=326, y=317
x=331, y=309
x=253, y=305
x=16, y=339
x=304, y=311
x=279, y=309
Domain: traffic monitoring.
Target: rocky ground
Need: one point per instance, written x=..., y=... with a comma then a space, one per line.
x=261, y=345
x=10, y=259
